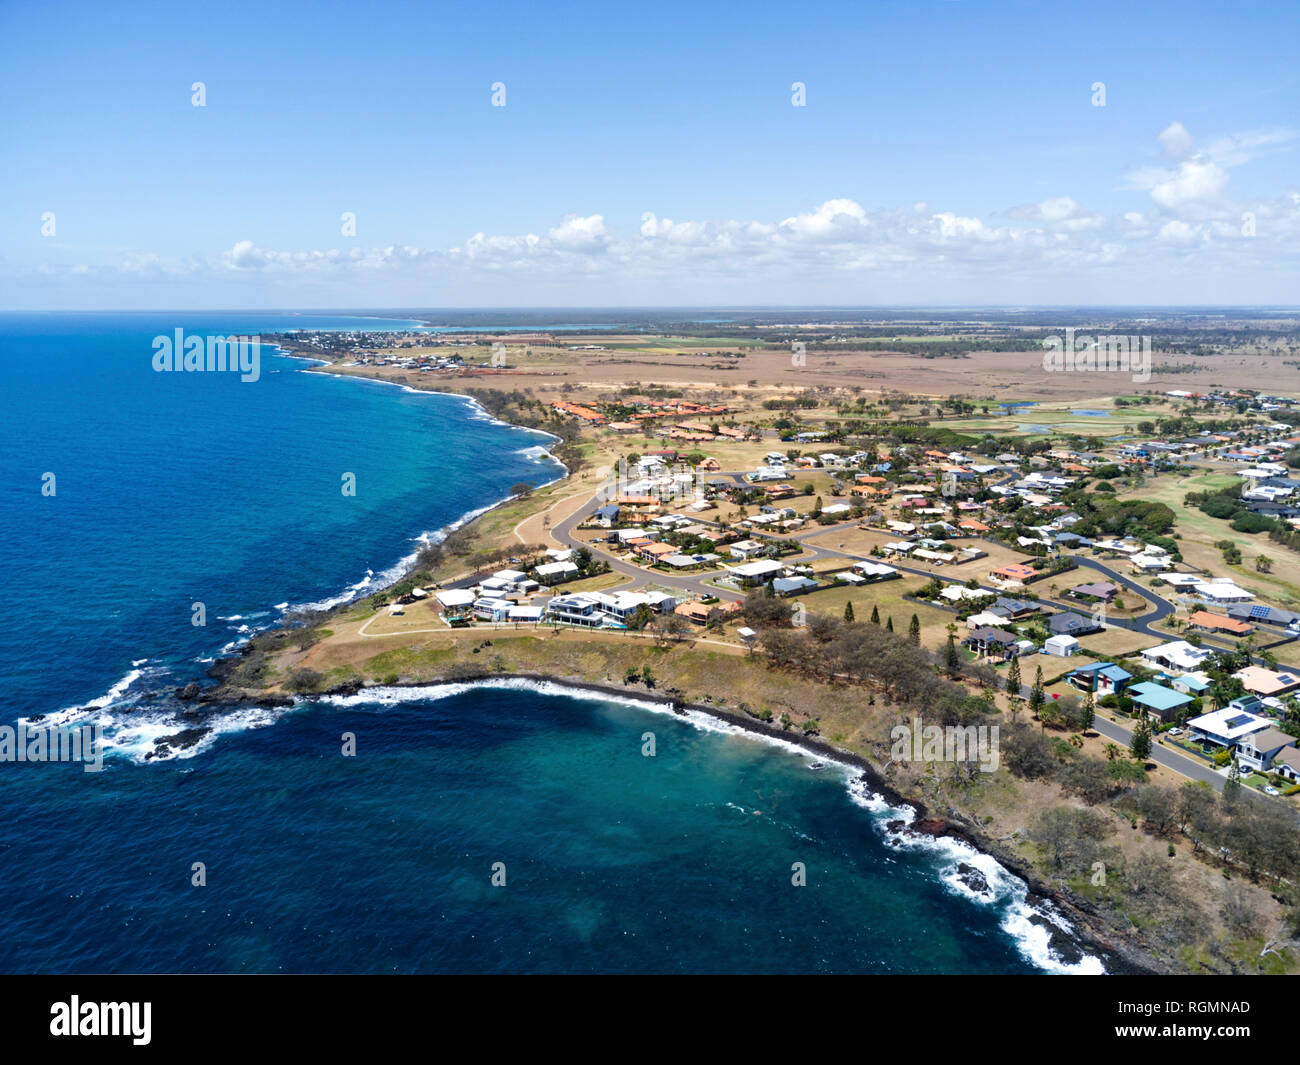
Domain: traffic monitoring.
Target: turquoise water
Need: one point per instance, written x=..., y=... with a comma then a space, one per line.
x=383, y=862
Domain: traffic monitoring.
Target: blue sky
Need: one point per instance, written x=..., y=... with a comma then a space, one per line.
x=949, y=152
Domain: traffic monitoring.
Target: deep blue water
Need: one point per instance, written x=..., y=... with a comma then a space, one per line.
x=176, y=488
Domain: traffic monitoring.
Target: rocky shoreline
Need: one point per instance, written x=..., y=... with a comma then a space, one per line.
x=1119, y=954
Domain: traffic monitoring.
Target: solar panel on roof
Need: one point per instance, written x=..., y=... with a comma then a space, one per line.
x=1286, y=678
x=1239, y=720
x=1258, y=611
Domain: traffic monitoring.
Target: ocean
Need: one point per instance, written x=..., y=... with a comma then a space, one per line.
x=508, y=827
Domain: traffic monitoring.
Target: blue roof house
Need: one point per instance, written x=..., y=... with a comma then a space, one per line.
x=1103, y=678
x=1158, y=700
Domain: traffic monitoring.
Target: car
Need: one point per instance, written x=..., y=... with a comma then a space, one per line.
x=1270, y=790
x=1175, y=732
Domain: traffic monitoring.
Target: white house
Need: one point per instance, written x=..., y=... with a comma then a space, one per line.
x=1177, y=654
x=1225, y=727
x=552, y=572
x=1061, y=646
x=1222, y=590
x=877, y=571
x=455, y=600
x=1258, y=749
x=489, y=608
x=756, y=572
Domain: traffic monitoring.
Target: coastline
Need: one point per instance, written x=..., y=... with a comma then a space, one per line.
x=1087, y=937
x=350, y=594
x=916, y=824
x=196, y=716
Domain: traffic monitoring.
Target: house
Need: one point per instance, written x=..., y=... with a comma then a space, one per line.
x=1015, y=609
x=1224, y=728
x=744, y=549
x=575, y=610
x=1250, y=704
x=524, y=614
x=1103, y=678
x=654, y=552
x=747, y=635
x=618, y=607
x=757, y=572
x=624, y=536
x=1264, y=682
x=1061, y=646
x=876, y=571
x=792, y=585
x=956, y=593
x=1068, y=623
x=1222, y=590
x=695, y=612
x=1014, y=574
x=554, y=572
x=1103, y=590
x=607, y=516
x=687, y=561
x=1196, y=684
x=1259, y=614
x=662, y=602
x=985, y=617
x=1177, y=654
x=709, y=464
x=1207, y=622
x=1150, y=562
x=489, y=608
x=497, y=586
x=987, y=641
x=455, y=602
x=1157, y=699
x=1286, y=763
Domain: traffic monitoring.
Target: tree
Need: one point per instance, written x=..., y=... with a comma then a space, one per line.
x=848, y=611
x=1013, y=677
x=1087, y=713
x=914, y=631
x=952, y=659
x=1263, y=563
x=1036, y=695
x=1140, y=746
x=889, y=623
x=1232, y=786
x=875, y=615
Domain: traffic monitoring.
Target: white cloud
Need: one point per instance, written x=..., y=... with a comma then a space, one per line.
x=1175, y=140
x=1192, y=183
